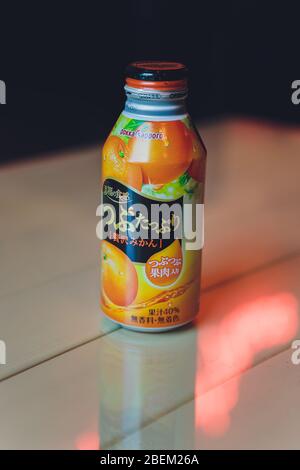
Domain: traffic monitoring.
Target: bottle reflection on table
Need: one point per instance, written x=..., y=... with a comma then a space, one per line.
x=143, y=377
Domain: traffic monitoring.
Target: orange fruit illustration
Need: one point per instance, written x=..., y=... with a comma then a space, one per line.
x=164, y=267
x=119, y=276
x=115, y=164
x=163, y=150
x=198, y=152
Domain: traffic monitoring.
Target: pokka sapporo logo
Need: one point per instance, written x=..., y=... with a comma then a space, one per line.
x=159, y=221
x=143, y=133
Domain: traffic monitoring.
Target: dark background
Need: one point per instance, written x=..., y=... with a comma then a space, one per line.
x=63, y=64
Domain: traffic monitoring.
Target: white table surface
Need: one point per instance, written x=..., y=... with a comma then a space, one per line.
x=75, y=380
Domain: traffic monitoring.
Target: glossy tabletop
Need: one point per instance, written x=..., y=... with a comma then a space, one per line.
x=74, y=380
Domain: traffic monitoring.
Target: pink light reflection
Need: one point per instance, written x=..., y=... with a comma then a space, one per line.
x=228, y=347
x=88, y=441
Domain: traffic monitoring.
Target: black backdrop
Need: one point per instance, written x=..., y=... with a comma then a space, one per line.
x=63, y=63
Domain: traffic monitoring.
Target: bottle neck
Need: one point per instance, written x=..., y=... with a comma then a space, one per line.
x=157, y=105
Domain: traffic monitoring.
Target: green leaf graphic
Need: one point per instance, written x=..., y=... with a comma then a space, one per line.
x=133, y=124
x=120, y=124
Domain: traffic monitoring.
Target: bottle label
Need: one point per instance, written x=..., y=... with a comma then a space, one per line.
x=150, y=172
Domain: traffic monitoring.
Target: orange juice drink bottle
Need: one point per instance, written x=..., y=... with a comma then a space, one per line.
x=152, y=185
